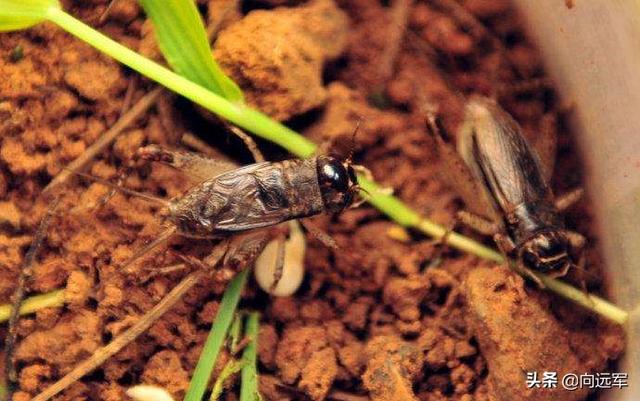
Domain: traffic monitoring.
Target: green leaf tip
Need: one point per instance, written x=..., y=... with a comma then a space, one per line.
x=20, y=14
x=184, y=43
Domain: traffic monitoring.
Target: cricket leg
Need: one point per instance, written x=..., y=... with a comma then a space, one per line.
x=566, y=200
x=577, y=240
x=248, y=142
x=507, y=248
x=196, y=166
x=324, y=238
x=458, y=176
x=546, y=144
x=478, y=223
x=279, y=262
x=127, y=267
x=247, y=247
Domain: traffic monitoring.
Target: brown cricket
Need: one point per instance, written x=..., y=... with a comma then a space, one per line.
x=233, y=200
x=500, y=177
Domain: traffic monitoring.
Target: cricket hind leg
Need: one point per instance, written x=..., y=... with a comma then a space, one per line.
x=164, y=237
x=194, y=165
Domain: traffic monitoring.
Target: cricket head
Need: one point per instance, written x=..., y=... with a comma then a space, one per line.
x=338, y=182
x=547, y=252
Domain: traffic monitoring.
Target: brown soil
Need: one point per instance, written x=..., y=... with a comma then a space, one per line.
x=381, y=320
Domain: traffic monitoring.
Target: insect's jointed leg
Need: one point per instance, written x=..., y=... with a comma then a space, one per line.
x=478, y=223
x=566, y=200
x=279, y=263
x=196, y=166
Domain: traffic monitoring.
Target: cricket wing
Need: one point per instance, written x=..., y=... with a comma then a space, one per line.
x=458, y=176
x=257, y=198
x=196, y=166
x=494, y=148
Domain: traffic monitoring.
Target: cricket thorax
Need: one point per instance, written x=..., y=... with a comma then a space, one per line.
x=532, y=217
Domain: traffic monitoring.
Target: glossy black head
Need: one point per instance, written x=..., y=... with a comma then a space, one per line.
x=338, y=182
x=547, y=252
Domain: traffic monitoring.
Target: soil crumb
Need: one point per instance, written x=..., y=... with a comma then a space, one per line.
x=277, y=56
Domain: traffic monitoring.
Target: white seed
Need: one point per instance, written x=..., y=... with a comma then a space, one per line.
x=146, y=392
x=293, y=268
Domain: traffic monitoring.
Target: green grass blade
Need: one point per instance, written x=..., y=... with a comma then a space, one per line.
x=230, y=369
x=249, y=374
x=20, y=14
x=183, y=41
x=216, y=337
x=34, y=303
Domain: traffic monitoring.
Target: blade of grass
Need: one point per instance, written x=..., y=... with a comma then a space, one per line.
x=183, y=41
x=34, y=303
x=20, y=14
x=231, y=368
x=216, y=338
x=249, y=374
x=235, y=332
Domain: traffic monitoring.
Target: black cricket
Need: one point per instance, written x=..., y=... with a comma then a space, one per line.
x=265, y=194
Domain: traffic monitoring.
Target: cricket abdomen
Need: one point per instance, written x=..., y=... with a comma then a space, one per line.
x=254, y=196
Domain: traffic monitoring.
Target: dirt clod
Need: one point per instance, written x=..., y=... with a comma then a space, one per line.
x=518, y=334
x=277, y=56
x=391, y=368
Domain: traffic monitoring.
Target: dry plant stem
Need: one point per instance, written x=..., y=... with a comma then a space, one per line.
x=128, y=95
x=107, y=138
x=104, y=353
x=18, y=295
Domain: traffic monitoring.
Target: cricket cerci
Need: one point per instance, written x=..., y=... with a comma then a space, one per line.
x=507, y=190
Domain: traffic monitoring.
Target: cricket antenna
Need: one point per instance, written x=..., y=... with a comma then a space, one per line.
x=109, y=184
x=353, y=141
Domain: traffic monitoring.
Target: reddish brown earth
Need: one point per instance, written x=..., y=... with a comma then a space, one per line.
x=385, y=320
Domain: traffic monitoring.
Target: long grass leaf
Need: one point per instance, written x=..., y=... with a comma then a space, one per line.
x=183, y=41
x=34, y=303
x=20, y=14
x=216, y=338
